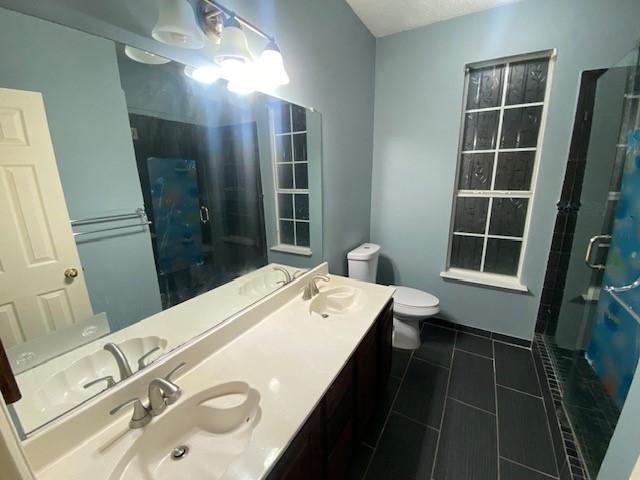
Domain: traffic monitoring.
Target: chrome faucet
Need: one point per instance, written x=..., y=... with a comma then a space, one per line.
x=288, y=278
x=285, y=272
x=162, y=392
x=123, y=364
x=311, y=289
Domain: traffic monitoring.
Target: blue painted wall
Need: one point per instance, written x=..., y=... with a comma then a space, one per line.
x=418, y=102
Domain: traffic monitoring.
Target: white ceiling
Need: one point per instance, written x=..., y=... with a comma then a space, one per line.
x=384, y=17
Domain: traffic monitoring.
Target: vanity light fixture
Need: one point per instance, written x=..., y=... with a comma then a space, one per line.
x=205, y=74
x=177, y=25
x=238, y=66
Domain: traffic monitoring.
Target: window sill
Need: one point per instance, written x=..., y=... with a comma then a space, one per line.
x=292, y=249
x=485, y=279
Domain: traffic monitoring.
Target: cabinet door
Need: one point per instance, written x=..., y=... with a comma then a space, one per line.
x=385, y=325
x=339, y=459
x=304, y=459
x=368, y=376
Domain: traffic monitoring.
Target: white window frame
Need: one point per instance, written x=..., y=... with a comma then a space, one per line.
x=281, y=246
x=480, y=277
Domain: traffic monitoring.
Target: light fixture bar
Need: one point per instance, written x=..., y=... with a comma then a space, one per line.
x=243, y=21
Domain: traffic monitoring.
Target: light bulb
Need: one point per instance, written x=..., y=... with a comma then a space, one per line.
x=206, y=74
x=241, y=86
x=234, y=69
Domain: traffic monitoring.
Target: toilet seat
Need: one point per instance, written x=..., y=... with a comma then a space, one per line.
x=414, y=303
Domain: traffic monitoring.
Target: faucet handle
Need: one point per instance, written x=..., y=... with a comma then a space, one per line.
x=174, y=371
x=140, y=415
x=108, y=378
x=141, y=360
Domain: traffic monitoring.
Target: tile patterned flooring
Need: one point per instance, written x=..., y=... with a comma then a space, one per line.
x=464, y=406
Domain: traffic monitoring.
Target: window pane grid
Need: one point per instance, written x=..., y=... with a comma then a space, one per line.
x=291, y=183
x=282, y=134
x=509, y=137
x=490, y=235
x=505, y=107
x=501, y=150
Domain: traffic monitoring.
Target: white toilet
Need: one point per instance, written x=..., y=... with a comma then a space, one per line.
x=409, y=305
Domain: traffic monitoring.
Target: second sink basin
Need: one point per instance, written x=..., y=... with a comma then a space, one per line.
x=336, y=301
x=196, y=438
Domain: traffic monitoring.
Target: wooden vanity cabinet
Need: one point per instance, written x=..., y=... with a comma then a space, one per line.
x=324, y=446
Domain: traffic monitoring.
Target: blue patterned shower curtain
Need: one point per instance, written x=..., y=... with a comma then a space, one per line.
x=615, y=340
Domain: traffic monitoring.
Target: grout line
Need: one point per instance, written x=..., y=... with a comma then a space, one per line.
x=510, y=344
x=433, y=364
x=474, y=353
x=386, y=420
x=546, y=413
x=519, y=391
x=495, y=392
x=444, y=406
x=417, y=422
x=528, y=467
x=368, y=446
x=465, y=332
x=471, y=406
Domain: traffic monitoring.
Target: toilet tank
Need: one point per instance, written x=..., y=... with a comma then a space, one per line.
x=363, y=262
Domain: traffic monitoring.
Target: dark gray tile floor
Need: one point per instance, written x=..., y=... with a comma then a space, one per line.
x=464, y=406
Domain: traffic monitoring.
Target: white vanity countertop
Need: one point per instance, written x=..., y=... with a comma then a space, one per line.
x=290, y=357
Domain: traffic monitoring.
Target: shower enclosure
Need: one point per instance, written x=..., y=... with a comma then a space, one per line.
x=202, y=191
x=588, y=323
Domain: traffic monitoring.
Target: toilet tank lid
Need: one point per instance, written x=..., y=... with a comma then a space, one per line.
x=366, y=251
x=411, y=297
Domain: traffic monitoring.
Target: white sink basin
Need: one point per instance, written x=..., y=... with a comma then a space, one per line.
x=262, y=284
x=214, y=425
x=66, y=389
x=336, y=301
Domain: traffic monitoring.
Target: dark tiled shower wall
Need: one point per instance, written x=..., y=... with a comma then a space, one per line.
x=568, y=207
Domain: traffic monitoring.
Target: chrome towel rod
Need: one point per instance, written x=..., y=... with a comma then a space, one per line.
x=139, y=214
x=78, y=234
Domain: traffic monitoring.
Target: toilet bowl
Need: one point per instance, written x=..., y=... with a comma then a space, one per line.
x=409, y=305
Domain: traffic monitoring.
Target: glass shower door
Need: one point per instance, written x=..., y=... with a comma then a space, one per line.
x=595, y=344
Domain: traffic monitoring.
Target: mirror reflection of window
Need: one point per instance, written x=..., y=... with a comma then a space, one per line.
x=291, y=165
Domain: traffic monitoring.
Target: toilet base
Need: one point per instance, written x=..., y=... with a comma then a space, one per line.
x=406, y=334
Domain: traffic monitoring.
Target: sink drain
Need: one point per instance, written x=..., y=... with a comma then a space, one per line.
x=325, y=315
x=178, y=453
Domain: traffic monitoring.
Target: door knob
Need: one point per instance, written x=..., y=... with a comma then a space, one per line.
x=71, y=273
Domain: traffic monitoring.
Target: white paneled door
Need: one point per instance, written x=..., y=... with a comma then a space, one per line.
x=42, y=287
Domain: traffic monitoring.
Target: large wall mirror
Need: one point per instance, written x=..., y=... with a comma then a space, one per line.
x=127, y=188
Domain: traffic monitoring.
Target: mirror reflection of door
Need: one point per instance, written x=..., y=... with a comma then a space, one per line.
x=42, y=286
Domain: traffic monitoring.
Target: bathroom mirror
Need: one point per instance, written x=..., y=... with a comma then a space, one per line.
x=127, y=187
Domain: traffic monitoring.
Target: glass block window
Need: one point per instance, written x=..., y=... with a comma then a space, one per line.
x=291, y=166
x=504, y=110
